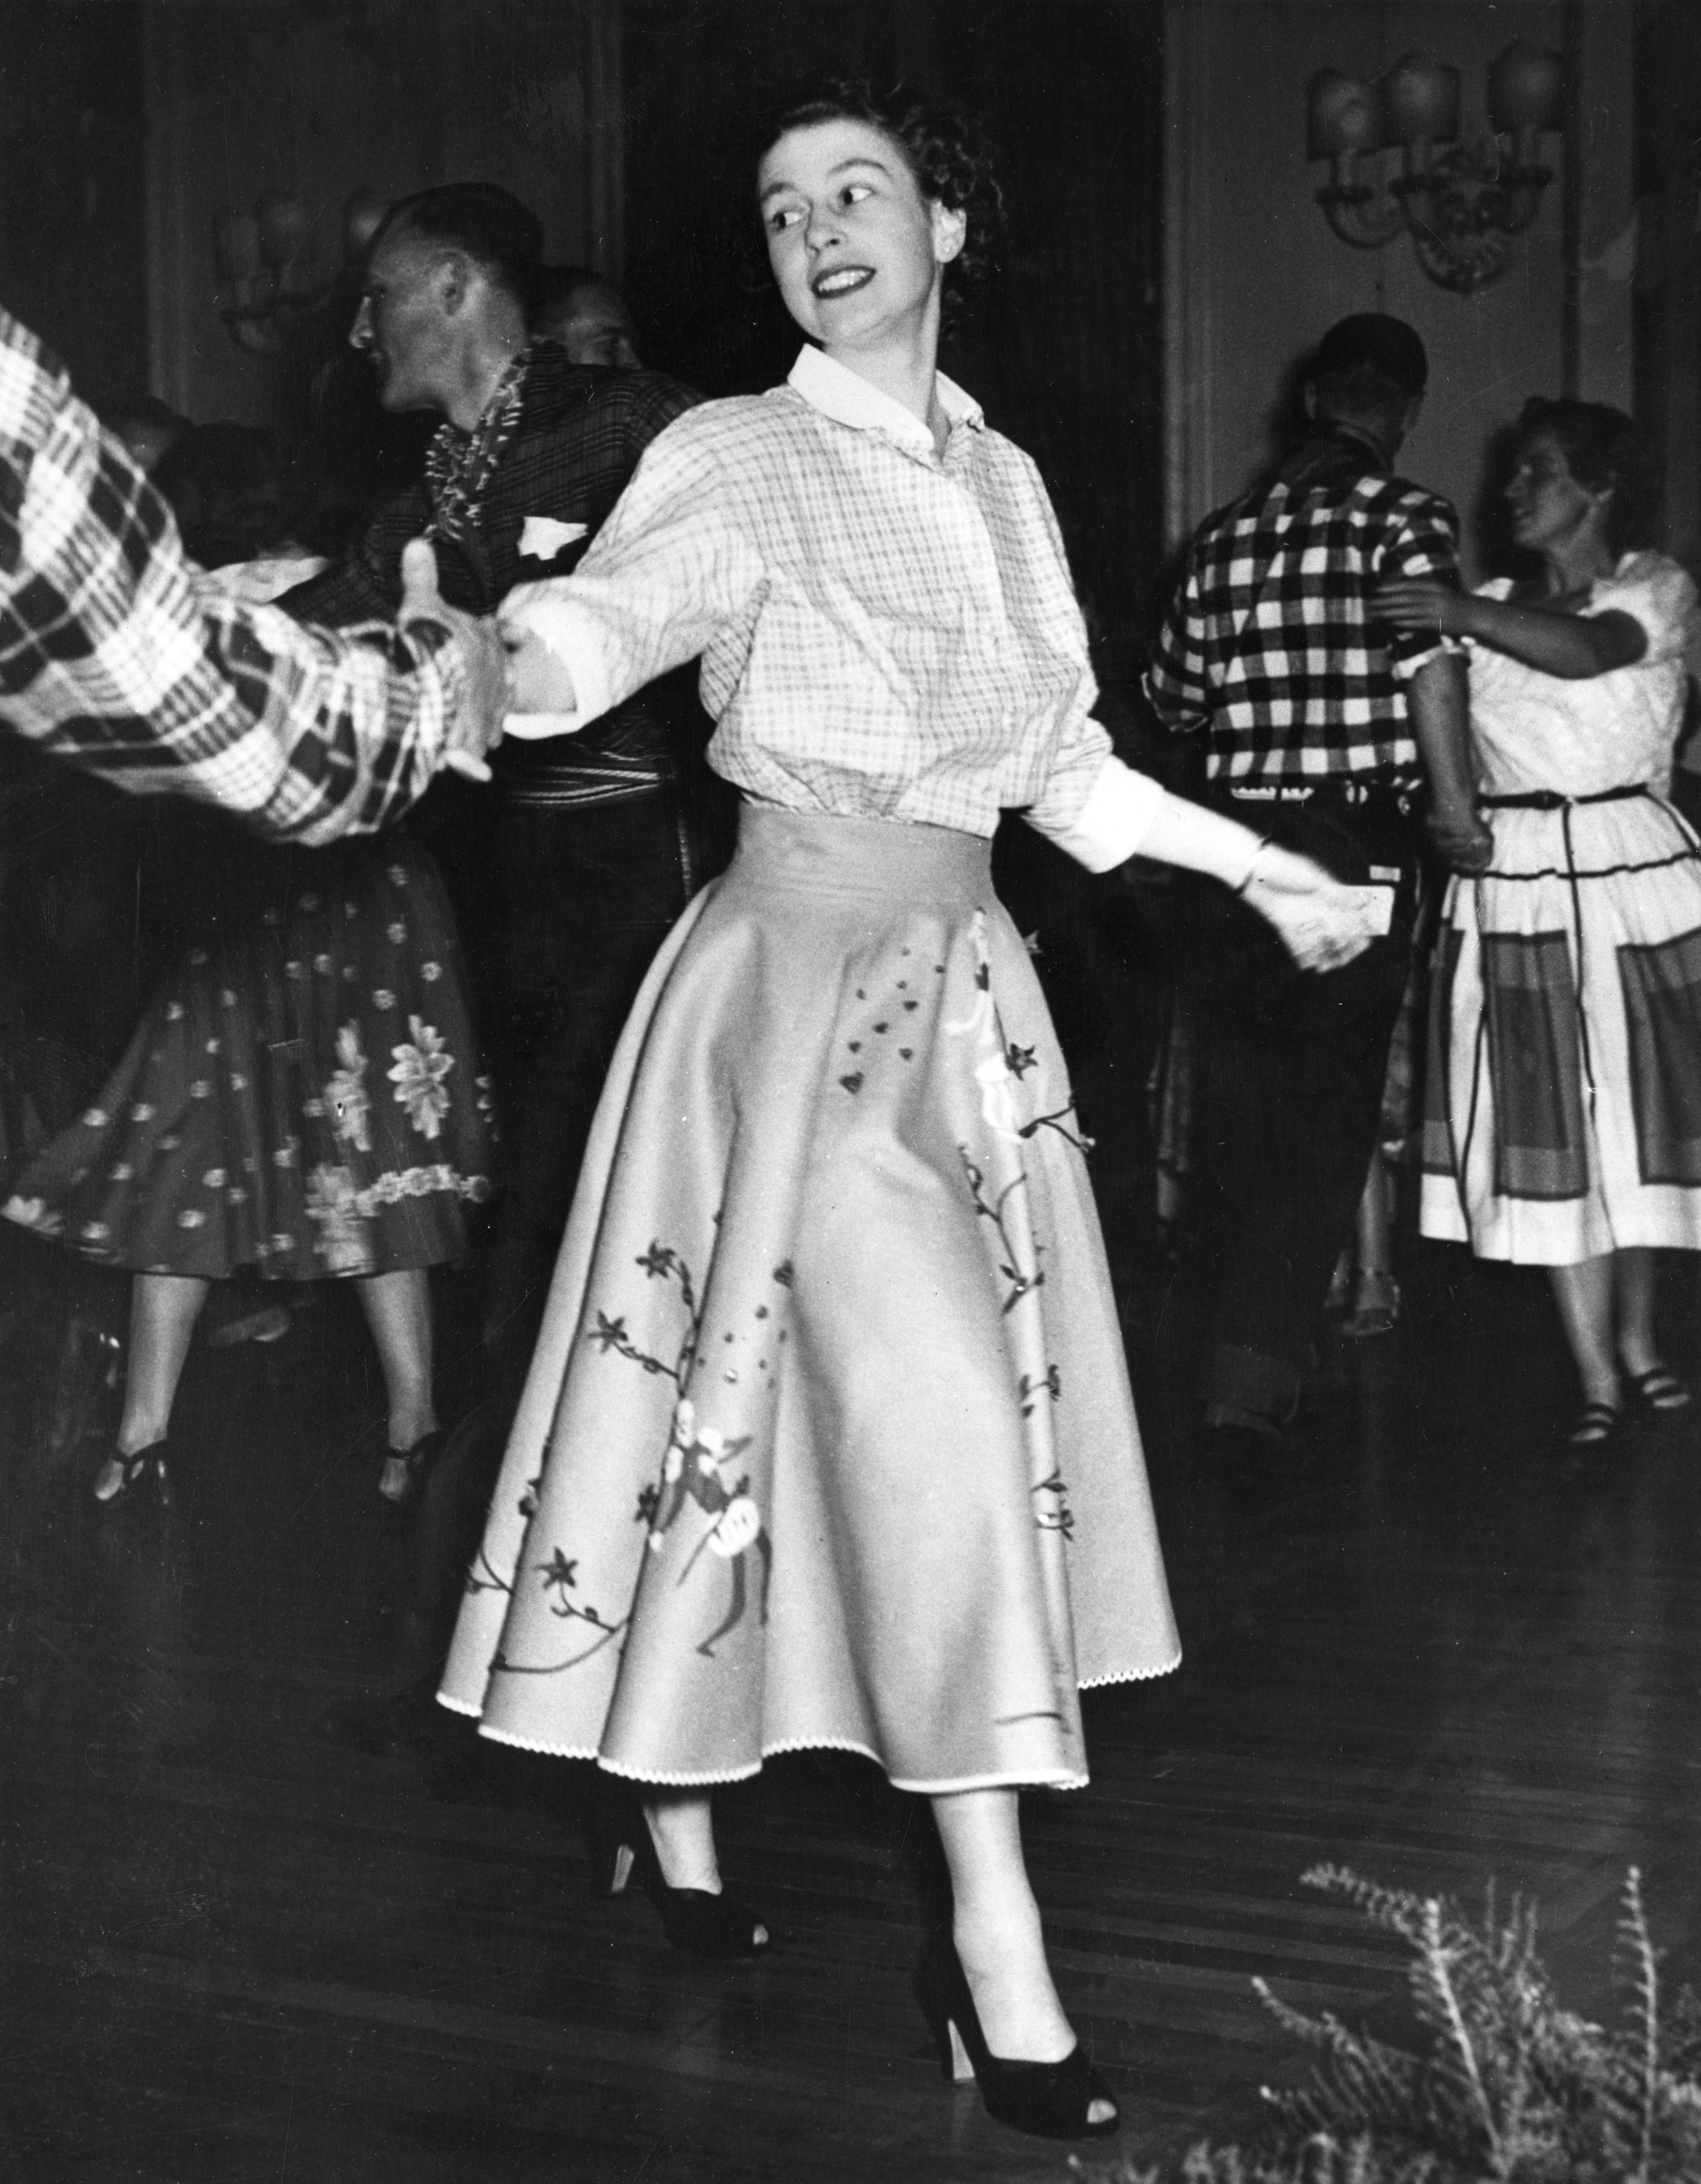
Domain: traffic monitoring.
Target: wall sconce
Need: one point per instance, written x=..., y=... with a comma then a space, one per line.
x=1460, y=203
x=270, y=274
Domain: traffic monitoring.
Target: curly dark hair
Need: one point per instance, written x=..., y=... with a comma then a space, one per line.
x=1604, y=449
x=944, y=147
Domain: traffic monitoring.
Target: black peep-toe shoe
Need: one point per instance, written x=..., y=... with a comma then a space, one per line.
x=694, y=1921
x=133, y=1470
x=1047, y=2100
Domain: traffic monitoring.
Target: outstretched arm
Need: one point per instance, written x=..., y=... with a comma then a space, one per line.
x=1322, y=922
x=1572, y=646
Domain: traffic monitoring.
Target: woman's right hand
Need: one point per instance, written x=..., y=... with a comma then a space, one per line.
x=537, y=678
x=1323, y=922
x=1462, y=836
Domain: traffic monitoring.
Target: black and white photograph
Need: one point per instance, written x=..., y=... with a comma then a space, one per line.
x=850, y=1091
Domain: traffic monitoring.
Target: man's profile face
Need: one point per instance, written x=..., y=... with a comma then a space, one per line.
x=595, y=327
x=402, y=324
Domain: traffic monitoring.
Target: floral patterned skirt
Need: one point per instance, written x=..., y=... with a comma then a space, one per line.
x=303, y=1096
x=828, y=1438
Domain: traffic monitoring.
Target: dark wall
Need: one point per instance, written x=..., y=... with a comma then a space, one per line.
x=1064, y=351
x=1668, y=273
x=72, y=238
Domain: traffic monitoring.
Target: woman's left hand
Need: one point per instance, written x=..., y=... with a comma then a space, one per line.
x=1419, y=603
x=1323, y=923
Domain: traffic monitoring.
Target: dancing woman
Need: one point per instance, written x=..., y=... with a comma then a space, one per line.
x=828, y=1439
x=1565, y=1019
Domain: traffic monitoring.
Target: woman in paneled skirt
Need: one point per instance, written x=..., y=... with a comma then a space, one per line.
x=827, y=1441
x=1563, y=1119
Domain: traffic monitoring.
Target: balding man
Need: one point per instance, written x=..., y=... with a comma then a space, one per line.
x=599, y=838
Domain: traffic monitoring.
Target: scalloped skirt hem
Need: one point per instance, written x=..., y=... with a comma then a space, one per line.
x=685, y=1780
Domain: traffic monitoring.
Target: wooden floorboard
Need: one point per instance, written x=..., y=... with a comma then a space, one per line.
x=233, y=1951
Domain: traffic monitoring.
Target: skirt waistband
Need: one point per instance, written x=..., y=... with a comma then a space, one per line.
x=877, y=859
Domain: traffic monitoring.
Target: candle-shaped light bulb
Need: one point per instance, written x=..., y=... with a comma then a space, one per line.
x=1420, y=101
x=1341, y=115
x=1526, y=90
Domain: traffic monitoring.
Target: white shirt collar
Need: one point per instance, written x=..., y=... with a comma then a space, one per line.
x=849, y=400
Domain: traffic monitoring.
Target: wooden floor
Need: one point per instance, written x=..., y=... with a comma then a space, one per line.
x=233, y=1951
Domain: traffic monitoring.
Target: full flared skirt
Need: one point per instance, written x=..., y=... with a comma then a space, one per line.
x=828, y=1439
x=303, y=1096
x=1562, y=1103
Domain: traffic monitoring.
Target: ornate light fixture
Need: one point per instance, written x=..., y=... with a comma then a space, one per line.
x=1461, y=204
x=271, y=275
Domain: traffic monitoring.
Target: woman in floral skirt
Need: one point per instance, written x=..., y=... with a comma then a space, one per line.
x=828, y=1438
x=302, y=1101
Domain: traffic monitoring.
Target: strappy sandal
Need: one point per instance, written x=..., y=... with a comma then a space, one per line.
x=1658, y=1389
x=404, y=1467
x=1595, y=1429
x=132, y=1469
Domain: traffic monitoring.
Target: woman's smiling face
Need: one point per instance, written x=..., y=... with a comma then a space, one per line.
x=1549, y=507
x=857, y=249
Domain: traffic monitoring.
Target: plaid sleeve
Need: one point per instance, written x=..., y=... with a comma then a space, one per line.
x=1422, y=540
x=348, y=727
x=115, y=653
x=1175, y=677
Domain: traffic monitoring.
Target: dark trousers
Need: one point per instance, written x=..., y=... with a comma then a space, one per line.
x=1292, y=1068
x=592, y=891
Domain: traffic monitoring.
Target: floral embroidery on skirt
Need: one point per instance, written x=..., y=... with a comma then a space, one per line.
x=303, y=1097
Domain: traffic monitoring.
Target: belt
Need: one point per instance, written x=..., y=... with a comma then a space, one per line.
x=571, y=787
x=1339, y=788
x=1550, y=799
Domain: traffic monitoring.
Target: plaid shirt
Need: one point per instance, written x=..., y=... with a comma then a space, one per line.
x=1270, y=644
x=118, y=653
x=886, y=632
x=580, y=432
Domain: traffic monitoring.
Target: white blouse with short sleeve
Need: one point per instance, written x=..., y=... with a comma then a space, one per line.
x=886, y=632
x=1531, y=730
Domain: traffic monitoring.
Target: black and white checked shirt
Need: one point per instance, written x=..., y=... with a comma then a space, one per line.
x=1270, y=644
x=117, y=653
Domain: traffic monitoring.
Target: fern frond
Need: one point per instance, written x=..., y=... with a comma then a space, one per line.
x=1396, y=1910
x=1635, y=1967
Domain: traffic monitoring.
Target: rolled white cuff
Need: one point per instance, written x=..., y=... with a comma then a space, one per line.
x=1110, y=826
x=576, y=639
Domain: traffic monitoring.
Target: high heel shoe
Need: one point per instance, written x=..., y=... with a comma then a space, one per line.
x=1047, y=2100
x=136, y=1467
x=693, y=1921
